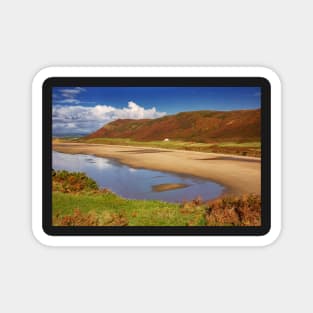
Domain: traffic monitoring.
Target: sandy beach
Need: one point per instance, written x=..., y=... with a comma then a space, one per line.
x=238, y=174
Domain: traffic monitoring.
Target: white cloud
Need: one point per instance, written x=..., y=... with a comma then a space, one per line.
x=71, y=92
x=78, y=119
x=69, y=101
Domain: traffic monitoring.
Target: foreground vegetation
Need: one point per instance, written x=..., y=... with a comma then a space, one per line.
x=77, y=201
x=236, y=148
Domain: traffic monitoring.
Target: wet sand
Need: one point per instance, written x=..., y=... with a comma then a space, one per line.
x=166, y=187
x=238, y=174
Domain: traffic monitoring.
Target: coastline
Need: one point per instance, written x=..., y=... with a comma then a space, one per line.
x=238, y=174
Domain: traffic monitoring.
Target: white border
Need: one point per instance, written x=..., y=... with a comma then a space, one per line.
x=125, y=241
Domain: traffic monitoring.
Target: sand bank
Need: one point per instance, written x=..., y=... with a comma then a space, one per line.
x=238, y=174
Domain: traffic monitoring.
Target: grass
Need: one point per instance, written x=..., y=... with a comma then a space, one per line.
x=133, y=212
x=256, y=144
x=237, y=148
x=77, y=201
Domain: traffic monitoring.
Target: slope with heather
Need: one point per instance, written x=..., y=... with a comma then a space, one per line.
x=197, y=126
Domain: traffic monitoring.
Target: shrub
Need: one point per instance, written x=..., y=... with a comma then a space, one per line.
x=67, y=182
x=78, y=218
x=234, y=211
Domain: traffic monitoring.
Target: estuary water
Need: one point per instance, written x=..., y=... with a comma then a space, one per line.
x=136, y=183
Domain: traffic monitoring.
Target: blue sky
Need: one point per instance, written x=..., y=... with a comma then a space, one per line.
x=81, y=110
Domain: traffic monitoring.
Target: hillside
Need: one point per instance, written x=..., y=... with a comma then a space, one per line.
x=197, y=126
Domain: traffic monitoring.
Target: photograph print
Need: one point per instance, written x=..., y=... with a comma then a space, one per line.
x=156, y=156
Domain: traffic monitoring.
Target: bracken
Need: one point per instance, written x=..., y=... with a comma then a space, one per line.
x=91, y=218
x=234, y=211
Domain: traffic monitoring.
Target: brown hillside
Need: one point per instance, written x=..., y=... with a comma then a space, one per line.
x=198, y=126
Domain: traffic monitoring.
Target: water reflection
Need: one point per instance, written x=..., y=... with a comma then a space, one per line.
x=133, y=183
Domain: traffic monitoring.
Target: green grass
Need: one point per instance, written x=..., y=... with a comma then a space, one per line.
x=173, y=144
x=77, y=201
x=237, y=148
x=256, y=144
x=136, y=212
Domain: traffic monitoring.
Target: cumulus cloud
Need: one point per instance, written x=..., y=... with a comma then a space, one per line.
x=80, y=120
